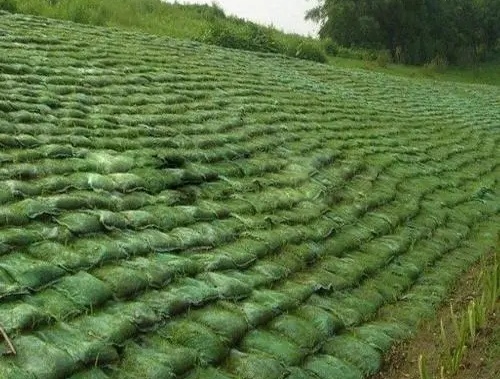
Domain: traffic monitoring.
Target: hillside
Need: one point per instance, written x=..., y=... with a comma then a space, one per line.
x=170, y=209
x=202, y=23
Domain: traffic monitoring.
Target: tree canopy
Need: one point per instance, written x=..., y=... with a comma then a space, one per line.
x=414, y=31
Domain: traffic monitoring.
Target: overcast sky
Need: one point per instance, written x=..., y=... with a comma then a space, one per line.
x=287, y=15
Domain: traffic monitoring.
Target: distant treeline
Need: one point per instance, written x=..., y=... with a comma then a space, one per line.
x=414, y=31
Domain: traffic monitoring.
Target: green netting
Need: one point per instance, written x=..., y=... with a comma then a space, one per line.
x=348, y=316
x=255, y=313
x=122, y=281
x=390, y=285
x=347, y=240
x=103, y=162
x=10, y=216
x=95, y=250
x=114, y=325
x=245, y=251
x=8, y=369
x=128, y=182
x=8, y=285
x=158, y=241
x=92, y=373
x=209, y=346
x=83, y=348
x=19, y=316
x=111, y=220
x=229, y=324
x=180, y=296
x=136, y=200
x=211, y=260
x=140, y=219
x=272, y=345
x=381, y=335
x=273, y=272
x=93, y=181
x=211, y=209
x=346, y=267
x=151, y=272
x=326, y=323
x=299, y=373
x=180, y=244
x=54, y=304
x=142, y=362
x=180, y=359
x=81, y=223
x=16, y=238
x=360, y=354
x=57, y=254
x=28, y=272
x=253, y=366
x=41, y=359
x=73, y=201
x=208, y=373
x=18, y=189
x=6, y=194
x=298, y=330
x=84, y=289
x=328, y=367
x=57, y=151
x=276, y=299
x=228, y=287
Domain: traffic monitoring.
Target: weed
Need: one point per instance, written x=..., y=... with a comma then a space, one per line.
x=466, y=326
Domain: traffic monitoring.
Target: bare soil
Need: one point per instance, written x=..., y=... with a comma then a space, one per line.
x=482, y=360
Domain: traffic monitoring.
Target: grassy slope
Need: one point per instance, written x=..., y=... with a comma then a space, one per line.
x=172, y=209
x=194, y=23
x=150, y=16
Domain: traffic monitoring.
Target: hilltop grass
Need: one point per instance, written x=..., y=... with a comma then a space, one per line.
x=204, y=23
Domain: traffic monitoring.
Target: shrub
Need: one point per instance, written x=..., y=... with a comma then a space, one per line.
x=247, y=36
x=438, y=64
x=221, y=34
x=384, y=58
x=8, y=5
x=330, y=47
x=310, y=50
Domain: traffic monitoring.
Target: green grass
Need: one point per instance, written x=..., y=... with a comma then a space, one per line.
x=482, y=73
x=192, y=22
x=175, y=209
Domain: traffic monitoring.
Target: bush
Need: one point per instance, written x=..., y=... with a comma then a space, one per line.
x=209, y=12
x=240, y=36
x=8, y=5
x=307, y=49
x=438, y=64
x=330, y=47
x=384, y=58
x=358, y=53
x=255, y=38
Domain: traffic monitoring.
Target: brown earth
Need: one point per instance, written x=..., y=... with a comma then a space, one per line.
x=482, y=360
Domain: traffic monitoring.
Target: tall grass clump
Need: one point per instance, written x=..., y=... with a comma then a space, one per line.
x=8, y=5
x=243, y=36
x=465, y=326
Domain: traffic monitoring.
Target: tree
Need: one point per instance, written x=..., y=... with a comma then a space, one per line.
x=416, y=30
